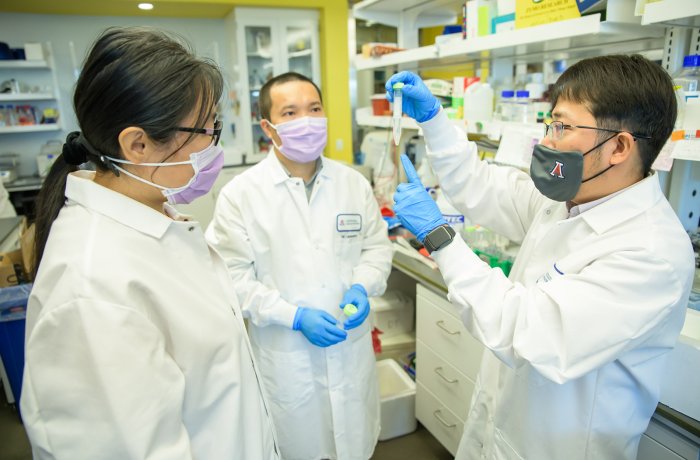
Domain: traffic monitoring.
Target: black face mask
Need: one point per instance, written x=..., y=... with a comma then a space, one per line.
x=558, y=174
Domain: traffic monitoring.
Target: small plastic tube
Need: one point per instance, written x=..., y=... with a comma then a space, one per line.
x=398, y=112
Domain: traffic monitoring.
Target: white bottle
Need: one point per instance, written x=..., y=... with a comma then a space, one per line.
x=521, y=107
x=504, y=108
x=478, y=107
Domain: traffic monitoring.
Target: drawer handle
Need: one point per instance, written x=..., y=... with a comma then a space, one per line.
x=442, y=420
x=441, y=325
x=438, y=371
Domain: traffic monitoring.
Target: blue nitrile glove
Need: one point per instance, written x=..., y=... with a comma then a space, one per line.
x=418, y=102
x=356, y=295
x=414, y=206
x=318, y=327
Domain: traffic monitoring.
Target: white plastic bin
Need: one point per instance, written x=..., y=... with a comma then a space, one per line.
x=397, y=394
x=393, y=314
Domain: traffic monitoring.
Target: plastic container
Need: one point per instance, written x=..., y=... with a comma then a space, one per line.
x=393, y=313
x=478, y=107
x=397, y=396
x=686, y=86
x=521, y=107
x=13, y=308
x=504, y=107
x=380, y=105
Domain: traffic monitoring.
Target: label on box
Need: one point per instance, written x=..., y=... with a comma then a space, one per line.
x=530, y=13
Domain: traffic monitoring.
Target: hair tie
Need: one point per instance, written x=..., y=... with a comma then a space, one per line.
x=73, y=151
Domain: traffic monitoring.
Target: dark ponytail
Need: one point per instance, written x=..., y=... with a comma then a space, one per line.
x=131, y=77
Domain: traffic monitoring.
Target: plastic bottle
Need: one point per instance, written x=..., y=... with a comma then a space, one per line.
x=521, y=107
x=504, y=108
x=478, y=106
x=685, y=83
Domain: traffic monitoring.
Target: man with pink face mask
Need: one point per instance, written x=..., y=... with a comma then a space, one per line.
x=302, y=236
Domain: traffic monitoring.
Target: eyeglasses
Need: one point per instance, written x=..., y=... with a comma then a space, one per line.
x=555, y=130
x=215, y=132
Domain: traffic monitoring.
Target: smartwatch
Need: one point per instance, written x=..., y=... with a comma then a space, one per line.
x=438, y=238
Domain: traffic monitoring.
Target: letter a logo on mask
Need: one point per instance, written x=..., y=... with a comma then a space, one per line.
x=557, y=170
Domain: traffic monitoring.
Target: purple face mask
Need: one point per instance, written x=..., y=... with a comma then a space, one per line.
x=303, y=139
x=207, y=165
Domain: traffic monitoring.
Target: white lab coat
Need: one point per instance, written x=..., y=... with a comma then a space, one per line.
x=284, y=251
x=135, y=343
x=579, y=333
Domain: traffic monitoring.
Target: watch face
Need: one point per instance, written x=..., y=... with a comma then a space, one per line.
x=438, y=237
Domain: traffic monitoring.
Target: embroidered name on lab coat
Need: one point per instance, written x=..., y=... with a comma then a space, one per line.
x=348, y=223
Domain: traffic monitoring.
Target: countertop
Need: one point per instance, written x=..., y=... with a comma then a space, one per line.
x=432, y=279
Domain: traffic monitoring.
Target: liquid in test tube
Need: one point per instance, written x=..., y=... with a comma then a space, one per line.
x=398, y=111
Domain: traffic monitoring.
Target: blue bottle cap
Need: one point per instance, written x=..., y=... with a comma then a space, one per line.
x=692, y=61
x=522, y=93
x=507, y=93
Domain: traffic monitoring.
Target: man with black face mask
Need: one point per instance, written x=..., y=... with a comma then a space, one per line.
x=577, y=335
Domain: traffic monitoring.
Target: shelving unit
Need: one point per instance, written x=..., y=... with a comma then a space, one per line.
x=573, y=38
x=40, y=74
x=429, y=12
x=30, y=128
x=673, y=12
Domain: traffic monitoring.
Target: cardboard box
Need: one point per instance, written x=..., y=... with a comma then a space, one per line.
x=16, y=266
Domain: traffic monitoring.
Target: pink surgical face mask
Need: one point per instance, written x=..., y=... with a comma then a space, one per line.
x=206, y=163
x=303, y=139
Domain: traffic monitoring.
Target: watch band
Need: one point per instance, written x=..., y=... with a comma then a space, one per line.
x=438, y=238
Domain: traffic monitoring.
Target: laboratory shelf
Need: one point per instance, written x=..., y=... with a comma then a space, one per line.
x=30, y=128
x=364, y=117
x=573, y=38
x=677, y=12
x=399, y=57
x=26, y=97
x=389, y=12
x=21, y=64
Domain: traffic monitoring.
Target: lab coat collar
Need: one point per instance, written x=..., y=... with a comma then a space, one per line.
x=81, y=188
x=278, y=173
x=631, y=202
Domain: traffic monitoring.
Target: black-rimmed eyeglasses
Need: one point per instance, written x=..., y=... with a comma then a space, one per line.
x=555, y=130
x=215, y=132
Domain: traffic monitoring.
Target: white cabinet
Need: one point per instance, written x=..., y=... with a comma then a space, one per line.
x=447, y=363
x=270, y=42
x=33, y=87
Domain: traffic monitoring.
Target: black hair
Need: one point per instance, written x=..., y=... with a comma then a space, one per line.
x=132, y=76
x=629, y=93
x=264, y=101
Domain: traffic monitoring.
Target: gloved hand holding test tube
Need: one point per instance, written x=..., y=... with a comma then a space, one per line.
x=398, y=112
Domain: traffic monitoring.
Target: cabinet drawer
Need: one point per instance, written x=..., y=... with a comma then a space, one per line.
x=448, y=338
x=439, y=300
x=449, y=385
x=438, y=419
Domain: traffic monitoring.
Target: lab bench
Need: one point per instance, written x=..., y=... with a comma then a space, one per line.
x=448, y=360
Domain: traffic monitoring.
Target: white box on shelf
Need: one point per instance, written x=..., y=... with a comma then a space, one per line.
x=397, y=395
x=393, y=313
x=34, y=52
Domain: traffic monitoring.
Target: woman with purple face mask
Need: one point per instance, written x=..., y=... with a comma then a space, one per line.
x=134, y=332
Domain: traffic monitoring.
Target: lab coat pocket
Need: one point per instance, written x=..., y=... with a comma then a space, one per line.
x=288, y=377
x=348, y=248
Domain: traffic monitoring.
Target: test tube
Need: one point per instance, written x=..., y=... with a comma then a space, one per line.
x=398, y=111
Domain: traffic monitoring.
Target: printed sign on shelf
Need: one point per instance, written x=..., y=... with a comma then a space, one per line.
x=530, y=13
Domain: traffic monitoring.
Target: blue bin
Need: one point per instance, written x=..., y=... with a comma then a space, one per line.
x=13, y=310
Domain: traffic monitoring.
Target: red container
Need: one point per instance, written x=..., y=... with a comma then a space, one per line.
x=380, y=105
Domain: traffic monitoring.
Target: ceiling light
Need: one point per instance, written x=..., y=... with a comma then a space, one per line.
x=145, y=6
